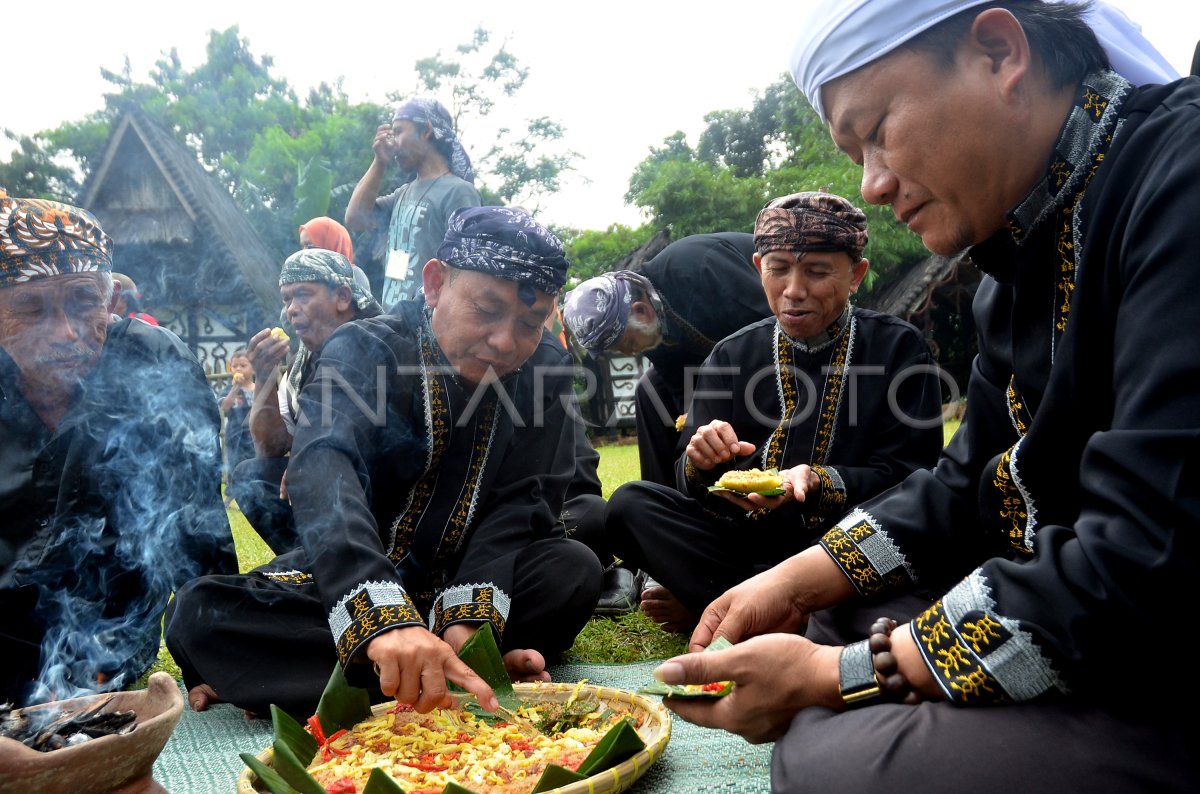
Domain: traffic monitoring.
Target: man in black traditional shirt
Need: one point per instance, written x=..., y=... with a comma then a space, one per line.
x=846, y=400
x=110, y=480
x=426, y=485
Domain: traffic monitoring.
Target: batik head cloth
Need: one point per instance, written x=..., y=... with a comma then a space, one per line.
x=328, y=267
x=840, y=36
x=815, y=221
x=505, y=242
x=423, y=110
x=41, y=238
x=597, y=310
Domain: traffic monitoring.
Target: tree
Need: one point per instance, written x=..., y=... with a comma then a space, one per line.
x=745, y=157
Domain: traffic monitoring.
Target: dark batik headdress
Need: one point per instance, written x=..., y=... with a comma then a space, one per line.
x=430, y=111
x=508, y=243
x=813, y=221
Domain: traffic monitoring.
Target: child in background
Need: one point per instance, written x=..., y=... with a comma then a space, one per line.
x=235, y=407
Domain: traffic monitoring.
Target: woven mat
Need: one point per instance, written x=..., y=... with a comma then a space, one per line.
x=202, y=754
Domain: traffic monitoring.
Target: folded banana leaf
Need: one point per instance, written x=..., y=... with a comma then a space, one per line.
x=293, y=771
x=291, y=733
x=692, y=690
x=555, y=776
x=621, y=742
x=270, y=779
x=381, y=782
x=342, y=705
x=482, y=654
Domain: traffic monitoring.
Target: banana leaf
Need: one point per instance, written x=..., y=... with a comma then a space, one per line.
x=267, y=776
x=288, y=731
x=682, y=691
x=621, y=742
x=294, y=772
x=482, y=655
x=556, y=776
x=342, y=705
x=381, y=782
x=454, y=788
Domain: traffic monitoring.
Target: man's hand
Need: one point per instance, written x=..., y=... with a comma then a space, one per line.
x=414, y=665
x=763, y=604
x=265, y=352
x=774, y=676
x=714, y=444
x=384, y=144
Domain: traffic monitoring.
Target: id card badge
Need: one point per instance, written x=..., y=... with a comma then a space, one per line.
x=397, y=265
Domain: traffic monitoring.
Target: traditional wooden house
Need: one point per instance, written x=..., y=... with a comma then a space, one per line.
x=202, y=270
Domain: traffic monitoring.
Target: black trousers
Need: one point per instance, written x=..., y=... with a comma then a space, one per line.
x=658, y=405
x=694, y=553
x=257, y=642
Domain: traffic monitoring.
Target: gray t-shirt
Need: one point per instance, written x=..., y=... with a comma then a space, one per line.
x=419, y=212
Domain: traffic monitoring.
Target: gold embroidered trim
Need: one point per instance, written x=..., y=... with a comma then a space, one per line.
x=289, y=577
x=832, y=501
x=482, y=607
x=1018, y=411
x=842, y=545
x=1014, y=514
x=460, y=519
x=368, y=619
x=437, y=427
x=952, y=654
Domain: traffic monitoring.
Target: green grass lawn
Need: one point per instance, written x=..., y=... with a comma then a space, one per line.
x=631, y=638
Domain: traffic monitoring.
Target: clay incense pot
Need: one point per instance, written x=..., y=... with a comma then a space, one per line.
x=116, y=764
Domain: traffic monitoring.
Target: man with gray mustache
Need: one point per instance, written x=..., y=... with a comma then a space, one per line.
x=109, y=464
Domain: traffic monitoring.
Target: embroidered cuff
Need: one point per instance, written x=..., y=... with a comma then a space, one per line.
x=470, y=603
x=977, y=656
x=866, y=554
x=369, y=609
x=289, y=577
x=832, y=499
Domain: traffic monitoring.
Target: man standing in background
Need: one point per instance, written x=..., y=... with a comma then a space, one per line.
x=422, y=142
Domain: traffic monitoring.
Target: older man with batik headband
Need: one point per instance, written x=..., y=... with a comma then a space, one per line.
x=1056, y=536
x=426, y=487
x=843, y=401
x=421, y=140
x=109, y=466
x=320, y=293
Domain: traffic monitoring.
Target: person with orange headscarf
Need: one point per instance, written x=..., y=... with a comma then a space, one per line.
x=325, y=232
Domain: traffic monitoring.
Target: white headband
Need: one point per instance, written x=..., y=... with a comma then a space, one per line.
x=843, y=35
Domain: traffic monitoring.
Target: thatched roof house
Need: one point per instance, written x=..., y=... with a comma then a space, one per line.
x=200, y=265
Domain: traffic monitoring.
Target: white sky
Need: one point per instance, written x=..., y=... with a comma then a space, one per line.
x=619, y=75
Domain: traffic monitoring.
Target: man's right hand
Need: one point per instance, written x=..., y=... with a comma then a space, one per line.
x=384, y=144
x=414, y=665
x=714, y=444
x=265, y=352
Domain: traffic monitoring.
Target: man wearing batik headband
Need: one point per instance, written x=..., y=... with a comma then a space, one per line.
x=426, y=483
x=1058, y=529
x=843, y=401
x=422, y=142
x=319, y=293
x=109, y=466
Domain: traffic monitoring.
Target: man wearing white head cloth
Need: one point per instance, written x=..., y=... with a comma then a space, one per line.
x=1057, y=529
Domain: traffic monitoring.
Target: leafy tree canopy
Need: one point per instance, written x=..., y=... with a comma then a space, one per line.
x=745, y=157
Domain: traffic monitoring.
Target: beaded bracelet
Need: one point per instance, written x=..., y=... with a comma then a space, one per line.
x=868, y=671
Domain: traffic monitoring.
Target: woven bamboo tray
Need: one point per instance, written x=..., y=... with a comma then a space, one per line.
x=655, y=731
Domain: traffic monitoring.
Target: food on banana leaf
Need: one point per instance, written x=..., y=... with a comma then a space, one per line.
x=714, y=689
x=767, y=483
